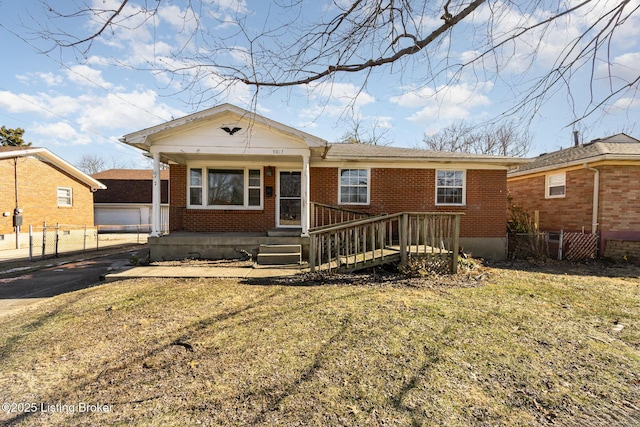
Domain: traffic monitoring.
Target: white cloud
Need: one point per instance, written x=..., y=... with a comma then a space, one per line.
x=625, y=68
x=445, y=103
x=41, y=103
x=339, y=94
x=84, y=75
x=129, y=111
x=59, y=133
x=49, y=79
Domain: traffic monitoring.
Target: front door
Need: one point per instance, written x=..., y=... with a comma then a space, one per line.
x=289, y=199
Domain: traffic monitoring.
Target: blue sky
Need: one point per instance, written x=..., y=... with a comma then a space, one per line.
x=76, y=104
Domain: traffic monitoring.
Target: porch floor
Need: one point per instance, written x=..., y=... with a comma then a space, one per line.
x=219, y=245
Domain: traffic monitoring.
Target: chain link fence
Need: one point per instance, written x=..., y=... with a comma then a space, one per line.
x=52, y=240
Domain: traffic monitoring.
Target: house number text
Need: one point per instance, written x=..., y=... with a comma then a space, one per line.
x=278, y=152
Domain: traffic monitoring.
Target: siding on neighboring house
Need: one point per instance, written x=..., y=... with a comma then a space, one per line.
x=38, y=184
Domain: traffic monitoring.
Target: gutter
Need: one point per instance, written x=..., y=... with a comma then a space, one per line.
x=596, y=191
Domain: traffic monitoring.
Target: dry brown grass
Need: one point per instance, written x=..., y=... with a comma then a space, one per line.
x=524, y=348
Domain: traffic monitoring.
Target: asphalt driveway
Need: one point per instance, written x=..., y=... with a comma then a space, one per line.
x=33, y=286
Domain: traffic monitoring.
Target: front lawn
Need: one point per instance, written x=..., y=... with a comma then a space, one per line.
x=513, y=348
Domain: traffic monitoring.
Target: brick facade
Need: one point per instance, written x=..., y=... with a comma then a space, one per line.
x=572, y=212
x=38, y=183
x=392, y=190
x=218, y=220
x=618, y=205
x=619, y=250
x=413, y=190
x=620, y=198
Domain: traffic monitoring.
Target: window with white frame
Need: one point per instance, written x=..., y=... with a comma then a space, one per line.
x=354, y=186
x=450, y=187
x=556, y=185
x=229, y=188
x=65, y=196
x=195, y=187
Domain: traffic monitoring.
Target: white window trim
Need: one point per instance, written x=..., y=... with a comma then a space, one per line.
x=547, y=186
x=205, y=183
x=464, y=188
x=65, y=205
x=368, y=202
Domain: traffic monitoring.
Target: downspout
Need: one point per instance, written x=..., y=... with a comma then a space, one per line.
x=596, y=191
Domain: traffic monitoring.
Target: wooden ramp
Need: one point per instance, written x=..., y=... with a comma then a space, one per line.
x=363, y=243
x=355, y=262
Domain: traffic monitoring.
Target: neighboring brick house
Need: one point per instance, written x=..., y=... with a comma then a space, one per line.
x=592, y=187
x=44, y=188
x=126, y=203
x=233, y=171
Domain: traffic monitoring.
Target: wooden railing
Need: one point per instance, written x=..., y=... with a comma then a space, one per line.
x=325, y=215
x=382, y=239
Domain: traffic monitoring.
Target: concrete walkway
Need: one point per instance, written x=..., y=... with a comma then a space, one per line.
x=191, y=272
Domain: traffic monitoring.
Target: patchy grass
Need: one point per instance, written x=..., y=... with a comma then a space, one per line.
x=523, y=348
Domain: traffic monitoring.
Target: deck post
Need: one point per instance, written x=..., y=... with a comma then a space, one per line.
x=403, y=229
x=312, y=253
x=455, y=244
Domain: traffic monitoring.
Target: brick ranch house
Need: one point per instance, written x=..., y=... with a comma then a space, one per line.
x=43, y=187
x=233, y=172
x=126, y=203
x=592, y=188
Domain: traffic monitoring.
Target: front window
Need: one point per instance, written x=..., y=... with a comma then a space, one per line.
x=65, y=196
x=354, y=186
x=195, y=187
x=556, y=185
x=225, y=188
x=450, y=187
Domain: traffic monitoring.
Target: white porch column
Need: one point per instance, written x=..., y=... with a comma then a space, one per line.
x=305, y=194
x=155, y=200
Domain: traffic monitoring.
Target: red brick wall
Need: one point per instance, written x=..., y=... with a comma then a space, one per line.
x=392, y=190
x=398, y=190
x=619, y=204
x=38, y=184
x=209, y=220
x=620, y=198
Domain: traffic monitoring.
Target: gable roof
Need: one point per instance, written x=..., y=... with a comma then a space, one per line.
x=140, y=138
x=615, y=147
x=47, y=156
x=346, y=152
x=130, y=174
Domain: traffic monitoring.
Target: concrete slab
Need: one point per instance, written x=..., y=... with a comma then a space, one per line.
x=191, y=272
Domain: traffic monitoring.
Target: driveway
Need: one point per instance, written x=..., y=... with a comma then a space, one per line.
x=38, y=285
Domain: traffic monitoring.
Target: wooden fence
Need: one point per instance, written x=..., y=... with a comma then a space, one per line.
x=372, y=241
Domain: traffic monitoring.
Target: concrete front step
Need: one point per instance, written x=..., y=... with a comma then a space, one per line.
x=280, y=249
x=279, y=254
